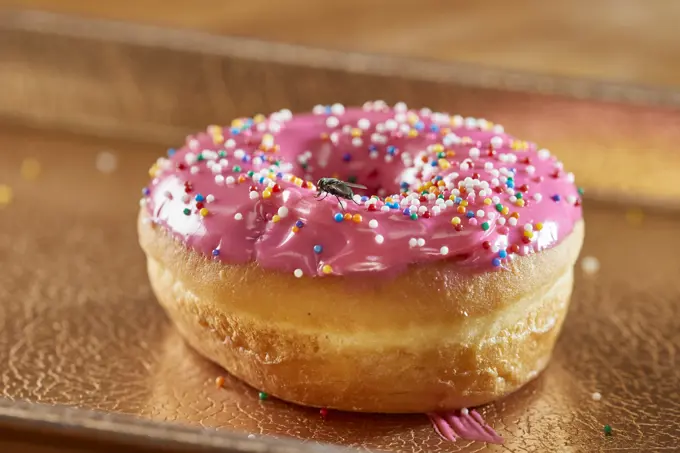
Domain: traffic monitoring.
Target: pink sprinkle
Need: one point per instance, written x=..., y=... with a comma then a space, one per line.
x=469, y=426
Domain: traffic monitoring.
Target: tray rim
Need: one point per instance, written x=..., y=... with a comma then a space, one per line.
x=448, y=72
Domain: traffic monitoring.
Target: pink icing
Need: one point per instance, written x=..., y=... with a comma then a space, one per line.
x=468, y=425
x=252, y=217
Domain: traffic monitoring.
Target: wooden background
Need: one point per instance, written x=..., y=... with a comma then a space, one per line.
x=635, y=41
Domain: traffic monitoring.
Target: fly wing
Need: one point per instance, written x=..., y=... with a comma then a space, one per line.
x=354, y=186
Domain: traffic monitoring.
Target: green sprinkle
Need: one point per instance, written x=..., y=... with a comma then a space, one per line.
x=607, y=430
x=304, y=166
x=222, y=153
x=519, y=195
x=441, y=195
x=200, y=157
x=580, y=191
x=485, y=226
x=236, y=169
x=441, y=155
x=414, y=216
x=187, y=211
x=499, y=207
x=250, y=173
x=263, y=396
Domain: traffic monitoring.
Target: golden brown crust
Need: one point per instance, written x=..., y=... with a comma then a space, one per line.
x=432, y=339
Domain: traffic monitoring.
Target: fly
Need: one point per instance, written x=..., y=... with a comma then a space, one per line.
x=339, y=189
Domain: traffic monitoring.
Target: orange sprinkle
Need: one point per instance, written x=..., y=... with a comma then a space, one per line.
x=515, y=215
x=347, y=216
x=295, y=229
x=388, y=200
x=219, y=382
x=450, y=153
x=538, y=226
x=356, y=132
x=241, y=179
x=461, y=210
x=357, y=218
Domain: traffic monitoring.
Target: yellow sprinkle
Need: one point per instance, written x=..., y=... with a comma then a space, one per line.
x=538, y=226
x=464, y=203
x=413, y=133
x=635, y=216
x=388, y=200
x=5, y=195
x=520, y=203
x=218, y=139
x=214, y=129
x=529, y=234
x=259, y=118
x=295, y=229
x=30, y=169
x=275, y=218
x=153, y=170
x=455, y=221
x=444, y=164
x=356, y=132
x=441, y=183
x=266, y=193
x=437, y=148
x=204, y=211
x=237, y=123
x=505, y=210
x=298, y=182
x=487, y=201
x=452, y=197
x=326, y=269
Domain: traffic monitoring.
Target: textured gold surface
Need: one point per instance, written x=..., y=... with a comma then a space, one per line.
x=79, y=325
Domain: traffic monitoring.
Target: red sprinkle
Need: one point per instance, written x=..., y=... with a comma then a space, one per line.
x=459, y=227
x=181, y=166
x=427, y=214
x=523, y=188
x=486, y=245
x=371, y=207
x=324, y=412
x=199, y=205
x=514, y=248
x=276, y=188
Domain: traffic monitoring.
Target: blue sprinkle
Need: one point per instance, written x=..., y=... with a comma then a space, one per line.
x=338, y=217
x=235, y=130
x=393, y=205
x=556, y=197
x=261, y=180
x=496, y=262
x=457, y=200
x=391, y=150
x=470, y=214
x=364, y=199
x=404, y=185
x=318, y=249
x=503, y=254
x=419, y=126
x=249, y=122
x=279, y=175
x=171, y=152
x=434, y=163
x=199, y=197
x=216, y=252
x=328, y=110
x=347, y=157
x=372, y=148
x=438, y=178
x=299, y=224
x=407, y=211
x=146, y=191
x=510, y=184
x=434, y=128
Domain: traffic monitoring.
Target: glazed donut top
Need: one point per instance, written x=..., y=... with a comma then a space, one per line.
x=439, y=187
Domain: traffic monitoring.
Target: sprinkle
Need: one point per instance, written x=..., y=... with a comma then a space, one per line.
x=556, y=198
x=283, y=212
x=373, y=223
x=607, y=430
x=356, y=218
x=496, y=262
x=318, y=248
x=199, y=197
x=216, y=252
x=455, y=221
x=444, y=250
x=238, y=216
x=485, y=226
x=276, y=218
x=106, y=162
x=323, y=412
x=338, y=217
x=502, y=254
x=297, y=273
x=204, y=212
x=332, y=121
x=412, y=242
x=210, y=198
x=6, y=194
x=379, y=238
x=596, y=396
x=254, y=195
x=590, y=265
x=414, y=216
x=326, y=269
x=30, y=169
x=262, y=396
x=421, y=242
x=496, y=142
x=219, y=382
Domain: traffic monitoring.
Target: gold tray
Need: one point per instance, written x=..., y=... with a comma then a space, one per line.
x=80, y=326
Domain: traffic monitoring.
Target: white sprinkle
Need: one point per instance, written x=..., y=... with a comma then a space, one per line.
x=238, y=216
x=501, y=221
x=498, y=129
x=458, y=120
x=495, y=248
x=379, y=238
x=513, y=198
x=470, y=122
x=512, y=221
x=282, y=212
x=488, y=166
x=210, y=198
x=538, y=197
x=337, y=109
x=412, y=242
x=194, y=170
x=436, y=209
x=400, y=107
x=474, y=153
x=357, y=141
x=230, y=143
x=495, y=199
x=297, y=273
x=364, y=124
x=464, y=166
x=251, y=436
x=286, y=114
x=543, y=154
x=254, y=195
x=385, y=208
x=332, y=121
x=219, y=180
x=596, y=396
x=444, y=250
x=480, y=213
x=530, y=169
x=590, y=265
x=528, y=227
x=106, y=162
x=421, y=242
x=450, y=139
x=190, y=158
x=497, y=142
x=464, y=411
x=571, y=199
x=318, y=109
x=570, y=177
x=230, y=180
x=373, y=223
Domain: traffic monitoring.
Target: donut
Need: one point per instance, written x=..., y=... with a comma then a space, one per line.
x=442, y=284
